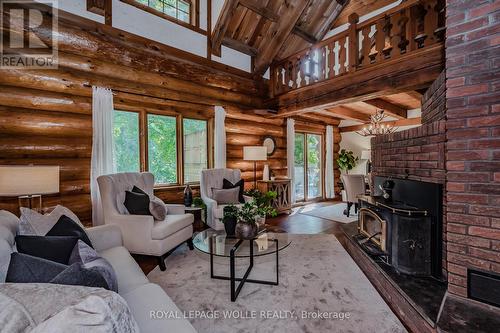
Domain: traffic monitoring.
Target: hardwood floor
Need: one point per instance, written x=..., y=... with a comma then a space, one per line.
x=295, y=223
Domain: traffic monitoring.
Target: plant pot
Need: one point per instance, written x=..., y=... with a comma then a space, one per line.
x=230, y=226
x=245, y=230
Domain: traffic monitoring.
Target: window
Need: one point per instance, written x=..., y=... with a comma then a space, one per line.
x=195, y=149
x=152, y=142
x=162, y=148
x=126, y=141
x=308, y=161
x=178, y=9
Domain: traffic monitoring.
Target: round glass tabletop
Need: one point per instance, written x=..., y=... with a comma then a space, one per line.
x=219, y=244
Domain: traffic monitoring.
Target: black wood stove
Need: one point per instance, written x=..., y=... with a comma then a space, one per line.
x=403, y=226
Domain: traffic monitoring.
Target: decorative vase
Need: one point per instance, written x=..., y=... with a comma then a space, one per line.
x=245, y=230
x=266, y=172
x=188, y=196
x=230, y=226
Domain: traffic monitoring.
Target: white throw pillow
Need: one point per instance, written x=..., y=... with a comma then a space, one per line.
x=34, y=223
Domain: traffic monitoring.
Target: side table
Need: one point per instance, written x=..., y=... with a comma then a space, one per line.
x=197, y=212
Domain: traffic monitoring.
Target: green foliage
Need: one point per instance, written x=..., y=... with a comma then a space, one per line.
x=198, y=202
x=162, y=148
x=346, y=160
x=247, y=213
x=126, y=141
x=299, y=149
x=230, y=213
x=263, y=202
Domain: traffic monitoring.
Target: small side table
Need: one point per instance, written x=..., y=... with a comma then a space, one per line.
x=197, y=212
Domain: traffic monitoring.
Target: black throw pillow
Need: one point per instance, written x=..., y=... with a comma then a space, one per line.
x=24, y=268
x=137, y=203
x=67, y=227
x=78, y=275
x=135, y=189
x=54, y=248
x=226, y=184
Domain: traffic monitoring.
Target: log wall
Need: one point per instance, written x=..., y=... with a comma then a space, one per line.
x=46, y=117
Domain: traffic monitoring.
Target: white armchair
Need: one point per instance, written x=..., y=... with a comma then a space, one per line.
x=141, y=233
x=354, y=186
x=213, y=178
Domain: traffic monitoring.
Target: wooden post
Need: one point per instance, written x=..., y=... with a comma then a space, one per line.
x=108, y=12
x=353, y=42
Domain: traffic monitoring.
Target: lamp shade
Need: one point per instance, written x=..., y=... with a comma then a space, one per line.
x=27, y=180
x=366, y=155
x=255, y=153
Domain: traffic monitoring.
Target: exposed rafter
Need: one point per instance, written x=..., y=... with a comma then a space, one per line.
x=403, y=122
x=304, y=35
x=279, y=33
x=326, y=26
x=222, y=25
x=239, y=46
x=390, y=109
x=256, y=7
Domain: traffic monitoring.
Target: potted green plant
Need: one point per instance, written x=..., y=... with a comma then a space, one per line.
x=263, y=201
x=346, y=160
x=198, y=202
x=247, y=227
x=230, y=219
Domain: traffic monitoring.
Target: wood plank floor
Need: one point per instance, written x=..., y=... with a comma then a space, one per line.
x=295, y=223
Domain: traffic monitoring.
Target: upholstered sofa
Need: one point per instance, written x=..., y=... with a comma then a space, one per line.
x=141, y=296
x=141, y=233
x=210, y=179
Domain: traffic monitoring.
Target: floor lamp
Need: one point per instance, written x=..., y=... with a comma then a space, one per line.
x=28, y=183
x=254, y=154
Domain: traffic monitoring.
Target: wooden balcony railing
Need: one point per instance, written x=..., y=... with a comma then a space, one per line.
x=411, y=26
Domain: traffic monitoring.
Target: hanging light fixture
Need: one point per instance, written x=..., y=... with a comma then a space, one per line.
x=376, y=126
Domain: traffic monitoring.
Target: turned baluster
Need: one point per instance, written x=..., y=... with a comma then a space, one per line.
x=342, y=55
x=287, y=67
x=321, y=63
x=387, y=38
x=380, y=39
x=366, y=47
x=295, y=69
x=331, y=61
x=395, y=35
x=403, y=32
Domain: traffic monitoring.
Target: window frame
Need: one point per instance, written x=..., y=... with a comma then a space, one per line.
x=144, y=142
x=194, y=15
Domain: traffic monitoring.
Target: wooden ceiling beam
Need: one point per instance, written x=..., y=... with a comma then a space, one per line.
x=304, y=35
x=279, y=33
x=315, y=117
x=257, y=8
x=222, y=24
x=346, y=113
x=390, y=109
x=403, y=122
x=327, y=24
x=239, y=46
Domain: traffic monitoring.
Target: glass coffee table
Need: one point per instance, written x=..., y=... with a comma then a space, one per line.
x=218, y=244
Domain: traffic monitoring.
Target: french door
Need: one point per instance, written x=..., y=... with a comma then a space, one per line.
x=308, y=171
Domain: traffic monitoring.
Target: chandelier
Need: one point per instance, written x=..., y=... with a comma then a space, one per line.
x=376, y=127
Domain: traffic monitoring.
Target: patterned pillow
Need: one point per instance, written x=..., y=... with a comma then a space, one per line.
x=158, y=209
x=226, y=196
x=36, y=224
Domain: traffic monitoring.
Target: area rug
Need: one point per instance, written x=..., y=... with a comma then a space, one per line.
x=321, y=290
x=333, y=213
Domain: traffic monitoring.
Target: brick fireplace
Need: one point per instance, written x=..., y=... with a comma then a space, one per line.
x=458, y=144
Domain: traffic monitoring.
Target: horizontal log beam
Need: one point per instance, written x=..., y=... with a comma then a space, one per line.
x=240, y=46
x=346, y=113
x=304, y=35
x=396, y=123
x=390, y=109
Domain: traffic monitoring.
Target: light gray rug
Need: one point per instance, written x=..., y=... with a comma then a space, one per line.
x=316, y=276
x=333, y=213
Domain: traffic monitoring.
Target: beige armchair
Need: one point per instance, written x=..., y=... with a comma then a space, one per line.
x=141, y=233
x=354, y=186
x=213, y=178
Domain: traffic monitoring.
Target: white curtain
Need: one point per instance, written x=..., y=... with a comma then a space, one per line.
x=220, y=138
x=290, y=154
x=329, y=180
x=102, y=146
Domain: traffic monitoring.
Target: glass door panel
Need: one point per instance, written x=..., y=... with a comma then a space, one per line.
x=314, y=189
x=299, y=173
